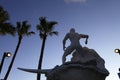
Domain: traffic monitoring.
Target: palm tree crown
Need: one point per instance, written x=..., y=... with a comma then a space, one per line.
x=23, y=29
x=5, y=27
x=46, y=28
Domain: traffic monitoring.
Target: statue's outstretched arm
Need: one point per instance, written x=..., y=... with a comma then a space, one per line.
x=85, y=36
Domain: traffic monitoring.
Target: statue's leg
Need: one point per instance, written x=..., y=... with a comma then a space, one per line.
x=67, y=52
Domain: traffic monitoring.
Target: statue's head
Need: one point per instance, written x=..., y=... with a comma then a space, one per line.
x=72, y=30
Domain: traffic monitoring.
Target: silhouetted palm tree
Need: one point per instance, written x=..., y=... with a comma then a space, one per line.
x=45, y=28
x=5, y=27
x=22, y=30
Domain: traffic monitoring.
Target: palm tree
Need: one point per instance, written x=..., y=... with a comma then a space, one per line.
x=22, y=30
x=5, y=27
x=45, y=28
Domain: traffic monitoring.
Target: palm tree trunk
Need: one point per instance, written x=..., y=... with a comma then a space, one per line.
x=41, y=57
x=13, y=59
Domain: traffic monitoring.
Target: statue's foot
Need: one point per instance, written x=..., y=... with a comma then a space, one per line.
x=63, y=60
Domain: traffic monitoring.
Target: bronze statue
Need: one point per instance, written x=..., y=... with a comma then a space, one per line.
x=74, y=38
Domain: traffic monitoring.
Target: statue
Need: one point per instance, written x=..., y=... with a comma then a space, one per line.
x=75, y=45
x=84, y=61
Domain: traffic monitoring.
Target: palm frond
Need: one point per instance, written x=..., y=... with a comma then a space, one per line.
x=43, y=23
x=51, y=26
x=41, y=35
x=46, y=27
x=4, y=16
x=18, y=28
x=23, y=29
x=53, y=33
x=52, y=23
x=40, y=28
x=7, y=28
x=30, y=33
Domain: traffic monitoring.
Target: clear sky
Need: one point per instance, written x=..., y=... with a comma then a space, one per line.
x=100, y=19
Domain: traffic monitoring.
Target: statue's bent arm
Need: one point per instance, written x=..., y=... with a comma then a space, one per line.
x=64, y=40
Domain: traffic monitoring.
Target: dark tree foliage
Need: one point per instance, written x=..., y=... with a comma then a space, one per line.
x=5, y=26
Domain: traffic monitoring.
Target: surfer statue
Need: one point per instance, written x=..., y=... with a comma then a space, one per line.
x=74, y=38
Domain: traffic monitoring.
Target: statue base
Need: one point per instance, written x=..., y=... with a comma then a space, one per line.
x=76, y=71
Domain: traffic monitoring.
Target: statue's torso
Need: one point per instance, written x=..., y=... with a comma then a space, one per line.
x=74, y=38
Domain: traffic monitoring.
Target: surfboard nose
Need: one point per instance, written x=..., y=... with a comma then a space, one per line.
x=43, y=71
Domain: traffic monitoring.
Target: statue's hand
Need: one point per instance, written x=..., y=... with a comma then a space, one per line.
x=86, y=42
x=86, y=39
x=87, y=36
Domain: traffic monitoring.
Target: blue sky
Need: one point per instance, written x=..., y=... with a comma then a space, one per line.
x=99, y=19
